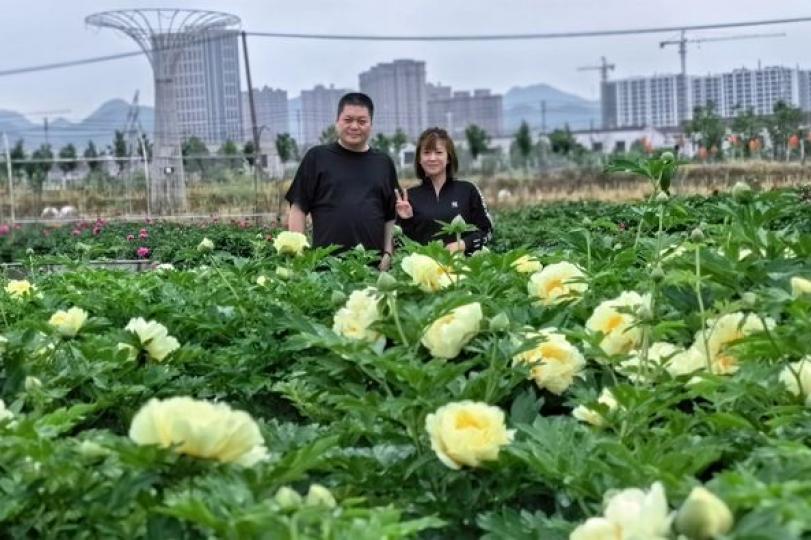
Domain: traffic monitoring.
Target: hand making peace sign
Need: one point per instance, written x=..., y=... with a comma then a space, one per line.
x=402, y=206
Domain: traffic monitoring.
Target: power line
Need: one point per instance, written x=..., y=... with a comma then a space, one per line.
x=434, y=38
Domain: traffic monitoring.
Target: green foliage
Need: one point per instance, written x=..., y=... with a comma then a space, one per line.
x=477, y=140
x=195, y=154
x=348, y=416
x=329, y=135
x=286, y=147
x=706, y=129
x=68, y=152
x=784, y=122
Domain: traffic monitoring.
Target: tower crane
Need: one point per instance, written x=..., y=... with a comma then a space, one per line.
x=683, y=41
x=603, y=68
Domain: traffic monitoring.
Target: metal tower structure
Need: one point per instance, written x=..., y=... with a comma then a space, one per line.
x=163, y=35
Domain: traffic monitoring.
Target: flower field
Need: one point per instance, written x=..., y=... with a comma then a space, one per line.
x=604, y=372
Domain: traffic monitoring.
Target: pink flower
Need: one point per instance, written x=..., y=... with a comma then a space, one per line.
x=130, y=237
x=96, y=230
x=76, y=232
x=143, y=234
x=142, y=252
x=4, y=229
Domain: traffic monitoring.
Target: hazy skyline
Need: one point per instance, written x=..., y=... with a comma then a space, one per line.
x=40, y=32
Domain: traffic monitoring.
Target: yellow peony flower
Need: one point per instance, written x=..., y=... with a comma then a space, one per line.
x=597, y=528
x=796, y=377
x=354, y=320
x=448, y=334
x=68, y=322
x=659, y=354
x=201, y=429
x=527, y=264
x=554, y=361
x=290, y=243
x=154, y=338
x=590, y=416
x=19, y=288
x=685, y=362
x=721, y=333
x=619, y=333
x=800, y=286
x=262, y=281
x=318, y=495
x=205, y=245
x=556, y=283
x=427, y=273
x=467, y=433
x=703, y=515
x=630, y=514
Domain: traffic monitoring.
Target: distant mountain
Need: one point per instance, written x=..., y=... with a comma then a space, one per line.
x=99, y=127
x=524, y=103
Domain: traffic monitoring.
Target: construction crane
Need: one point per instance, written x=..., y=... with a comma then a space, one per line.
x=603, y=68
x=683, y=41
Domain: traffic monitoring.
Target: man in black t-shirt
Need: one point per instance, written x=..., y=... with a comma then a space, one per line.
x=347, y=187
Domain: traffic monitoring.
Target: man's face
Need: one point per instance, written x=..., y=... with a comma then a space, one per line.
x=354, y=126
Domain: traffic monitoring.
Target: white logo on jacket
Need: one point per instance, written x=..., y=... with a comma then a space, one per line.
x=454, y=204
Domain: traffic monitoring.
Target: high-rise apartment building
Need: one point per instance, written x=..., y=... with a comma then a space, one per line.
x=271, y=113
x=657, y=102
x=455, y=111
x=319, y=107
x=399, y=94
x=207, y=89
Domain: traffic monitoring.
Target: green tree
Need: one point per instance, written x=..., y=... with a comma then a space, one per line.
x=195, y=154
x=783, y=123
x=120, y=151
x=91, y=154
x=477, y=140
x=17, y=156
x=38, y=168
x=249, y=152
x=562, y=142
x=67, y=156
x=706, y=129
x=329, y=135
x=398, y=142
x=382, y=143
x=230, y=151
x=523, y=143
x=747, y=127
x=286, y=147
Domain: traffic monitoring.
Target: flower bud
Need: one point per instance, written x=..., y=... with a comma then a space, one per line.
x=338, y=297
x=697, y=235
x=30, y=251
x=703, y=515
x=587, y=221
x=500, y=322
x=32, y=383
x=458, y=221
x=662, y=197
x=283, y=273
x=657, y=274
x=667, y=156
x=386, y=282
x=288, y=498
x=750, y=299
x=742, y=191
x=318, y=495
x=91, y=449
x=262, y=281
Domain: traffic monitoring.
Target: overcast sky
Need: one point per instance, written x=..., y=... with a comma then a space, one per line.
x=39, y=32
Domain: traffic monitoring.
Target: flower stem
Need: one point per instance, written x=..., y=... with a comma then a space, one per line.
x=392, y=301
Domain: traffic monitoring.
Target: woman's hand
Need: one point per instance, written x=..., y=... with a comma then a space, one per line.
x=453, y=247
x=402, y=206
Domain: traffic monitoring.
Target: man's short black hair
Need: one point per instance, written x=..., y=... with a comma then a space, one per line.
x=359, y=99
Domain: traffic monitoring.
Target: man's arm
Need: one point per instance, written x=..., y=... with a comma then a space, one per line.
x=296, y=219
x=388, y=246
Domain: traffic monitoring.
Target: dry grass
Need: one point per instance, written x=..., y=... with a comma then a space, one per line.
x=238, y=198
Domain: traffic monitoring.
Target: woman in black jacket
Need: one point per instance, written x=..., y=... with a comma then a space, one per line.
x=442, y=197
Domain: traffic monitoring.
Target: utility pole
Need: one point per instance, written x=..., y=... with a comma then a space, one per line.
x=9, y=171
x=254, y=129
x=45, y=129
x=543, y=117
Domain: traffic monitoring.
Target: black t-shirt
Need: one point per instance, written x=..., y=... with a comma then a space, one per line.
x=350, y=195
x=455, y=198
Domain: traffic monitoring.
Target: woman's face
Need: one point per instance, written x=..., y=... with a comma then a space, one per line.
x=434, y=160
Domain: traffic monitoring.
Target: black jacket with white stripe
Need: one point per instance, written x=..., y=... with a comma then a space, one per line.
x=456, y=197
